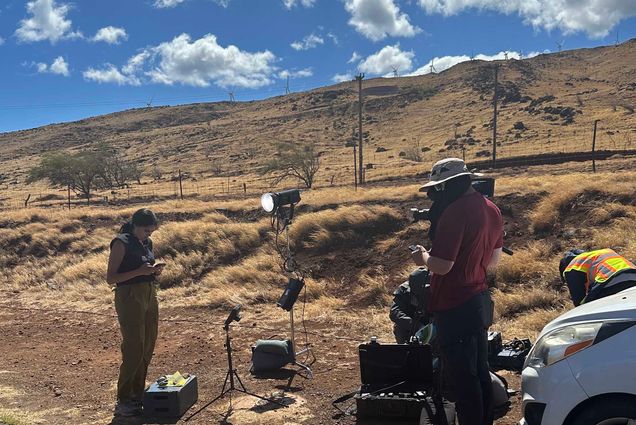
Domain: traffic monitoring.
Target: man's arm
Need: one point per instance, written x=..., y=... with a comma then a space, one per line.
x=436, y=265
x=576, y=284
x=494, y=260
x=397, y=313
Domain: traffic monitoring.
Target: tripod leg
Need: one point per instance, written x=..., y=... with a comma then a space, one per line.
x=238, y=378
x=220, y=396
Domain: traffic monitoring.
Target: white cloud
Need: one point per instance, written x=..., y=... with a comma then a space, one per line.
x=110, y=74
x=308, y=42
x=47, y=22
x=386, y=60
x=204, y=61
x=135, y=64
x=165, y=4
x=341, y=78
x=377, y=19
x=195, y=63
x=333, y=38
x=1, y=41
x=355, y=57
x=292, y=3
x=162, y=4
x=110, y=35
x=302, y=73
x=594, y=17
x=59, y=67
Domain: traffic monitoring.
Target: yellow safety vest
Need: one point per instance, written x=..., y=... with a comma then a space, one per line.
x=599, y=266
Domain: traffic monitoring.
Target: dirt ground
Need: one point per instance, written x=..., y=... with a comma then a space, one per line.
x=61, y=368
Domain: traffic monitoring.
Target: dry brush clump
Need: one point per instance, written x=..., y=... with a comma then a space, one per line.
x=580, y=198
x=530, y=265
x=343, y=227
x=522, y=300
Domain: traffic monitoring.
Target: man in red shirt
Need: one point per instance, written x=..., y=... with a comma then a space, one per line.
x=467, y=237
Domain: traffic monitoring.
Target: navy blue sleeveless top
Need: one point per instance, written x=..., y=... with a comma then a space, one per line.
x=136, y=254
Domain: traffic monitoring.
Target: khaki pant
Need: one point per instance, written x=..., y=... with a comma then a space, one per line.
x=138, y=315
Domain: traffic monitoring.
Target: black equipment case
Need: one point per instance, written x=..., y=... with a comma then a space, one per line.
x=170, y=401
x=396, y=380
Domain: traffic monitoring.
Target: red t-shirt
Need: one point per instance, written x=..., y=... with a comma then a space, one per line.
x=468, y=232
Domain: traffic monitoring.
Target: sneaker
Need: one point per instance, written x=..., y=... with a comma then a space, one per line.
x=127, y=409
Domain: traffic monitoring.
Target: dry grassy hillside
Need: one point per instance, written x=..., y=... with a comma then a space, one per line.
x=547, y=104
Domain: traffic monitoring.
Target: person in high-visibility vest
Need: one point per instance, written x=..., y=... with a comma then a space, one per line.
x=591, y=275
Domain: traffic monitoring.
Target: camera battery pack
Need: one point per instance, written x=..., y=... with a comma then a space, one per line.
x=170, y=401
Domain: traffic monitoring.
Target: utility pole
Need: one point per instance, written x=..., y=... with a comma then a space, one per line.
x=494, y=123
x=594, y=148
x=180, y=185
x=359, y=78
x=69, y=196
x=287, y=86
x=355, y=168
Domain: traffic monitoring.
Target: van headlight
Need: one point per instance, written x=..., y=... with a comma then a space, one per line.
x=561, y=343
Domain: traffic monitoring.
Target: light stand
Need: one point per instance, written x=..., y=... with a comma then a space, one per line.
x=231, y=374
x=281, y=207
x=289, y=303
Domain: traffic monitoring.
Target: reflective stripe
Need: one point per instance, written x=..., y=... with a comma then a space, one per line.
x=599, y=266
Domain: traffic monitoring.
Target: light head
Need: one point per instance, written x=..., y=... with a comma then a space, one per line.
x=234, y=316
x=271, y=202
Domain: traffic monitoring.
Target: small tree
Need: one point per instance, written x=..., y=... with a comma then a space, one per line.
x=294, y=160
x=80, y=172
x=116, y=171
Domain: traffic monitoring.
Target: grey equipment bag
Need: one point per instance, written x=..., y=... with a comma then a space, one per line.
x=271, y=354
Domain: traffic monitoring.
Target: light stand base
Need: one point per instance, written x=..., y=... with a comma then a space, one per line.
x=304, y=366
x=306, y=350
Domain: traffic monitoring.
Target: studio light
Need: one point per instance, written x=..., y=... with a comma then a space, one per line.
x=272, y=201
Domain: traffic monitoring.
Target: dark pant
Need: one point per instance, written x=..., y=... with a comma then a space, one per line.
x=402, y=333
x=465, y=364
x=138, y=314
x=463, y=340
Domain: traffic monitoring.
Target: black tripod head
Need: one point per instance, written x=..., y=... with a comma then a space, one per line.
x=234, y=316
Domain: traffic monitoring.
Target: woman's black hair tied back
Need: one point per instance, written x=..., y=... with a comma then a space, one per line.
x=141, y=218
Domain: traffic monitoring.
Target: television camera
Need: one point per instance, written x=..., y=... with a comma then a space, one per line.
x=483, y=185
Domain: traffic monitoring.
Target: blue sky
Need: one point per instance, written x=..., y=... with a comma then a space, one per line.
x=67, y=60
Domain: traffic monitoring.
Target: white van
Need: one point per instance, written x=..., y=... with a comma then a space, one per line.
x=582, y=369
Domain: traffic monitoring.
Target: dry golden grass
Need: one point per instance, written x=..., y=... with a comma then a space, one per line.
x=218, y=256
x=529, y=265
x=519, y=302
x=344, y=226
x=15, y=417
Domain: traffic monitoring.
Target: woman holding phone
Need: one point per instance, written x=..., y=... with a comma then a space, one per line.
x=132, y=270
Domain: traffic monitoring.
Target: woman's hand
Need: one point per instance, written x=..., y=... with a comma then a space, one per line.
x=145, y=270
x=158, y=267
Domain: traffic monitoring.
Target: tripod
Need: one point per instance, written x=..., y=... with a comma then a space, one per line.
x=231, y=376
